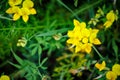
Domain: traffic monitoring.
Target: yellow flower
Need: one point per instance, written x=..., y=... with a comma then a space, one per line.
x=25, y=14
x=75, y=34
x=87, y=47
x=93, y=36
x=116, y=69
x=17, y=13
x=110, y=75
x=82, y=38
x=78, y=47
x=14, y=2
x=100, y=66
x=29, y=4
x=4, y=77
x=111, y=17
x=107, y=24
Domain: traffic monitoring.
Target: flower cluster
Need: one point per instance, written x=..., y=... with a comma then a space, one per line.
x=21, y=8
x=82, y=37
x=4, y=77
x=111, y=17
x=112, y=75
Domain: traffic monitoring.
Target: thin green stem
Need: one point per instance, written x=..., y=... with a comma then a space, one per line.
x=39, y=58
x=2, y=17
x=4, y=63
x=86, y=7
x=68, y=9
x=97, y=52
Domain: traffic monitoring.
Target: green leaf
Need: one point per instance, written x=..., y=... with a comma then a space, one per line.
x=76, y=3
x=39, y=50
x=86, y=7
x=43, y=61
x=19, y=60
x=115, y=47
x=15, y=65
x=34, y=50
x=32, y=45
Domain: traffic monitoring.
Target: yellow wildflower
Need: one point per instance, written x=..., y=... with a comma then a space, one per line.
x=25, y=14
x=16, y=10
x=116, y=69
x=24, y=10
x=78, y=47
x=93, y=36
x=17, y=13
x=87, y=47
x=107, y=24
x=82, y=38
x=110, y=75
x=14, y=2
x=29, y=4
x=4, y=77
x=111, y=17
x=100, y=66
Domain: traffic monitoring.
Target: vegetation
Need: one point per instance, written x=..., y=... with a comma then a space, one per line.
x=59, y=40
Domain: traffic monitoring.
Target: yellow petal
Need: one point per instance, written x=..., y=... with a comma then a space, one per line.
x=16, y=17
x=83, y=24
x=25, y=11
x=28, y=4
x=116, y=69
x=110, y=75
x=78, y=47
x=88, y=48
x=14, y=2
x=32, y=11
x=5, y=77
x=110, y=16
x=96, y=41
x=9, y=11
x=25, y=18
x=107, y=24
x=76, y=22
x=85, y=32
x=100, y=66
x=70, y=34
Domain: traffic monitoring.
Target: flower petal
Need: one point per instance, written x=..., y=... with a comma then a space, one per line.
x=25, y=18
x=16, y=17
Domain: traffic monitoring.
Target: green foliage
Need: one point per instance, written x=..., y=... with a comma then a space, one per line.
x=43, y=54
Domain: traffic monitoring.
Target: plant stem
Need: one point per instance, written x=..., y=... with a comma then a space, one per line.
x=3, y=17
x=69, y=9
x=98, y=52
